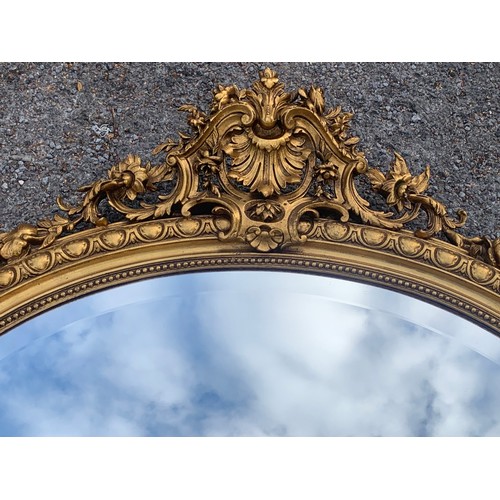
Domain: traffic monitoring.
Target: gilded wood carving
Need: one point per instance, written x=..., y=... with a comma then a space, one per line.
x=265, y=171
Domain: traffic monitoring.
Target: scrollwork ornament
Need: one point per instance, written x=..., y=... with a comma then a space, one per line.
x=266, y=164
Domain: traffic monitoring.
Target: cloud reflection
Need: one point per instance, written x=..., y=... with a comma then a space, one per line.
x=235, y=353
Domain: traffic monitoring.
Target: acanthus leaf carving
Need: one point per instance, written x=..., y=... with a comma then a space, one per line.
x=265, y=164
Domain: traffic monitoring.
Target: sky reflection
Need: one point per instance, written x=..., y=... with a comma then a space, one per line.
x=249, y=354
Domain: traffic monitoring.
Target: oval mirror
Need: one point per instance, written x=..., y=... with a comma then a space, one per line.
x=249, y=354
x=389, y=324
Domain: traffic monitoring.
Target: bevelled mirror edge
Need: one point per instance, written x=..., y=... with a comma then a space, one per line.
x=266, y=179
x=461, y=294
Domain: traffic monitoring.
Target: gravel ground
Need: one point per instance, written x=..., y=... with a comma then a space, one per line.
x=64, y=125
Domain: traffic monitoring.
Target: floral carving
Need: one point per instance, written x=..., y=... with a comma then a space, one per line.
x=129, y=176
x=269, y=78
x=127, y=179
x=208, y=169
x=314, y=99
x=325, y=180
x=226, y=95
x=265, y=211
x=404, y=191
x=268, y=165
x=399, y=184
x=196, y=119
x=17, y=242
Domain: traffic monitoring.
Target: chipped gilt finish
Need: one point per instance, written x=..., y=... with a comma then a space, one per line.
x=265, y=180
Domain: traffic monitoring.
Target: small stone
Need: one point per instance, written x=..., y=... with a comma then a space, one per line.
x=5, y=186
x=416, y=118
x=21, y=182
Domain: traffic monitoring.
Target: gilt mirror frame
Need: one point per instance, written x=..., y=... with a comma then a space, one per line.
x=266, y=180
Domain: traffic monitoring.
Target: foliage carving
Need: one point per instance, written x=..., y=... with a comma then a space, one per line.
x=265, y=163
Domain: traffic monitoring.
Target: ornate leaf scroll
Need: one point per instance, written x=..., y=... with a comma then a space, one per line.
x=267, y=164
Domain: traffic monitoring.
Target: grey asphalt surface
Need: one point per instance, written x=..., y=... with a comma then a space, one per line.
x=63, y=125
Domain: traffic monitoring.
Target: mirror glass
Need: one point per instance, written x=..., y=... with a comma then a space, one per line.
x=245, y=353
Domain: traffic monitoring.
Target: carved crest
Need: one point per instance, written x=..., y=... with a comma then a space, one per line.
x=266, y=164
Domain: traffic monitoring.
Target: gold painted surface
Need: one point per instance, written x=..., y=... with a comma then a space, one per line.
x=266, y=173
